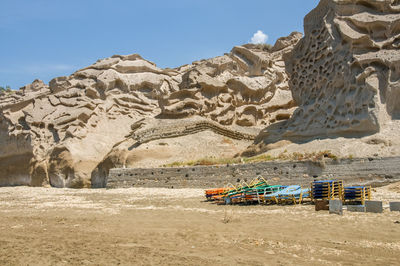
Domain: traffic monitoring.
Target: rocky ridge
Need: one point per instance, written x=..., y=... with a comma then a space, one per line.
x=344, y=73
x=338, y=85
x=58, y=134
x=247, y=87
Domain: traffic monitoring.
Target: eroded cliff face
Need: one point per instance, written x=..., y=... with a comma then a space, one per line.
x=64, y=134
x=344, y=73
x=247, y=87
x=342, y=79
x=57, y=134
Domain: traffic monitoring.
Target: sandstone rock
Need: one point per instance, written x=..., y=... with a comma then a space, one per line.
x=58, y=134
x=344, y=73
x=36, y=85
x=241, y=88
x=341, y=79
x=64, y=133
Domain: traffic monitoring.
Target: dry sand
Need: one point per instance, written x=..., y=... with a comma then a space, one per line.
x=47, y=226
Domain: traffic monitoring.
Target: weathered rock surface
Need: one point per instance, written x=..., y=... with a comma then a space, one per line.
x=344, y=73
x=247, y=87
x=56, y=134
x=342, y=79
x=63, y=133
x=133, y=152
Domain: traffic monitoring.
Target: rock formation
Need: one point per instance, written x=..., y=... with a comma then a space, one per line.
x=55, y=134
x=344, y=73
x=342, y=79
x=63, y=133
x=247, y=87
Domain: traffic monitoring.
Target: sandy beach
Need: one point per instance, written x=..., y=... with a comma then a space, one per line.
x=47, y=226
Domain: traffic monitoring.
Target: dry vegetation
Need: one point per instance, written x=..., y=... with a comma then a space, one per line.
x=296, y=156
x=7, y=89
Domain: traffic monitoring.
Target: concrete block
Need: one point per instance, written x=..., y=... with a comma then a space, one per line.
x=394, y=206
x=322, y=205
x=336, y=207
x=373, y=206
x=356, y=208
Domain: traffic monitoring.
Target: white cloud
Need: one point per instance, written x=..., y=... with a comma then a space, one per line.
x=259, y=37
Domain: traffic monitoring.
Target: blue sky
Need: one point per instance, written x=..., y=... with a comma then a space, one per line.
x=49, y=38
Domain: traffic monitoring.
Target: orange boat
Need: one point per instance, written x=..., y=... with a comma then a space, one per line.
x=216, y=193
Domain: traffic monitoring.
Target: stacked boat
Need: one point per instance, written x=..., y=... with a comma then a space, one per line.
x=258, y=191
x=327, y=190
x=357, y=194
